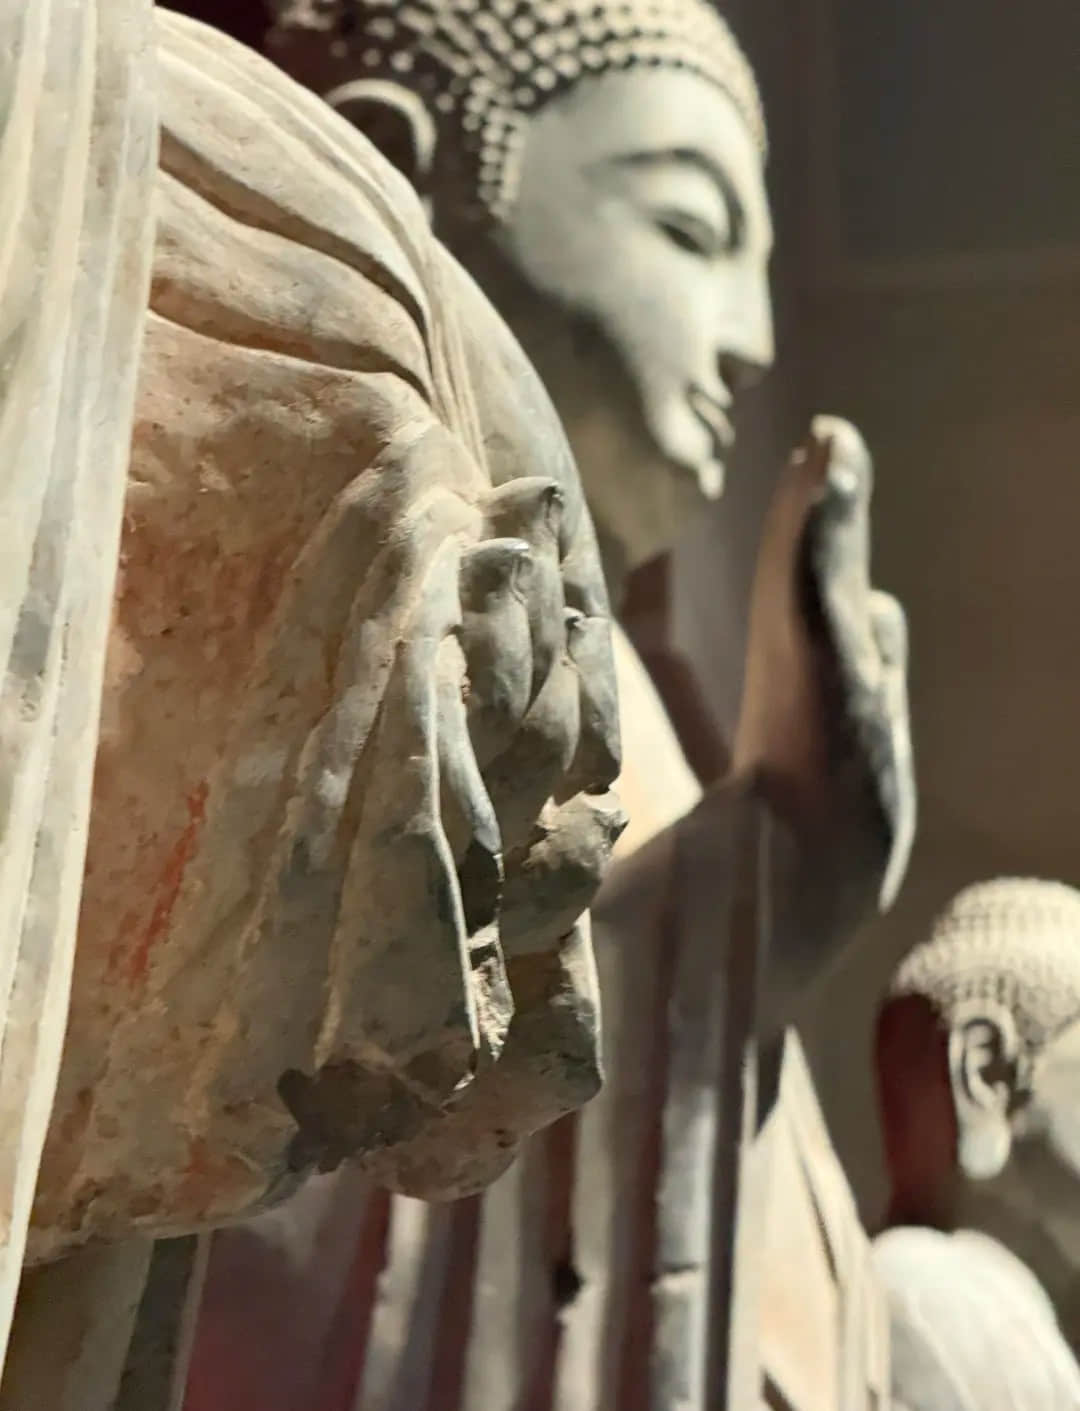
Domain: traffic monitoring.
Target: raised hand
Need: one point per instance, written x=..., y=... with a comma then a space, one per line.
x=824, y=720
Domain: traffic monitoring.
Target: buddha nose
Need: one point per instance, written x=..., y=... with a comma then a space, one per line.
x=750, y=348
x=740, y=372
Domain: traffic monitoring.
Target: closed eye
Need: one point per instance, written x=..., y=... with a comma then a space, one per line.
x=691, y=233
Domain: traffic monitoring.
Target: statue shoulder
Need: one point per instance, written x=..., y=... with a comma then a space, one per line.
x=281, y=225
x=969, y=1320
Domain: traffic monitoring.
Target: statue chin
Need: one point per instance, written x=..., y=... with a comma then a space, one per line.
x=643, y=505
x=648, y=465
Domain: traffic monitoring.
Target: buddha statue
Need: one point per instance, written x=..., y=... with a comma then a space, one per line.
x=976, y=1066
x=975, y=1072
x=599, y=169
x=357, y=710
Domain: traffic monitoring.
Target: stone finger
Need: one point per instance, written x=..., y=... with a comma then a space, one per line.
x=889, y=625
x=531, y=509
x=896, y=777
x=551, y=882
x=598, y=760
x=390, y=931
x=525, y=776
x=473, y=833
x=497, y=639
x=838, y=550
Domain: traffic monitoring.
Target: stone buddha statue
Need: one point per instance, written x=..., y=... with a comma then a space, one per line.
x=976, y=1063
x=357, y=708
x=598, y=168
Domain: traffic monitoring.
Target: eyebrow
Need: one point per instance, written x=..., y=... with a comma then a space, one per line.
x=687, y=157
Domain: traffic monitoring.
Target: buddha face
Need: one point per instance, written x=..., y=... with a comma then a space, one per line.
x=1053, y=1112
x=641, y=229
x=1033, y=1198
x=1004, y=1100
x=632, y=264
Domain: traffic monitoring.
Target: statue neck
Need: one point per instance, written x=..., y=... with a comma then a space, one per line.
x=616, y=569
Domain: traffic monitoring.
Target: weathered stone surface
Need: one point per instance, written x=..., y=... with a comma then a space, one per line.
x=77, y=153
x=356, y=684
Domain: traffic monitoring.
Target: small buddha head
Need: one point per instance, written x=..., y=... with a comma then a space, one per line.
x=979, y=1038
x=598, y=165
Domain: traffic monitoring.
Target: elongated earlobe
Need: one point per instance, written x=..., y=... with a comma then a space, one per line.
x=983, y=1147
x=982, y=1066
